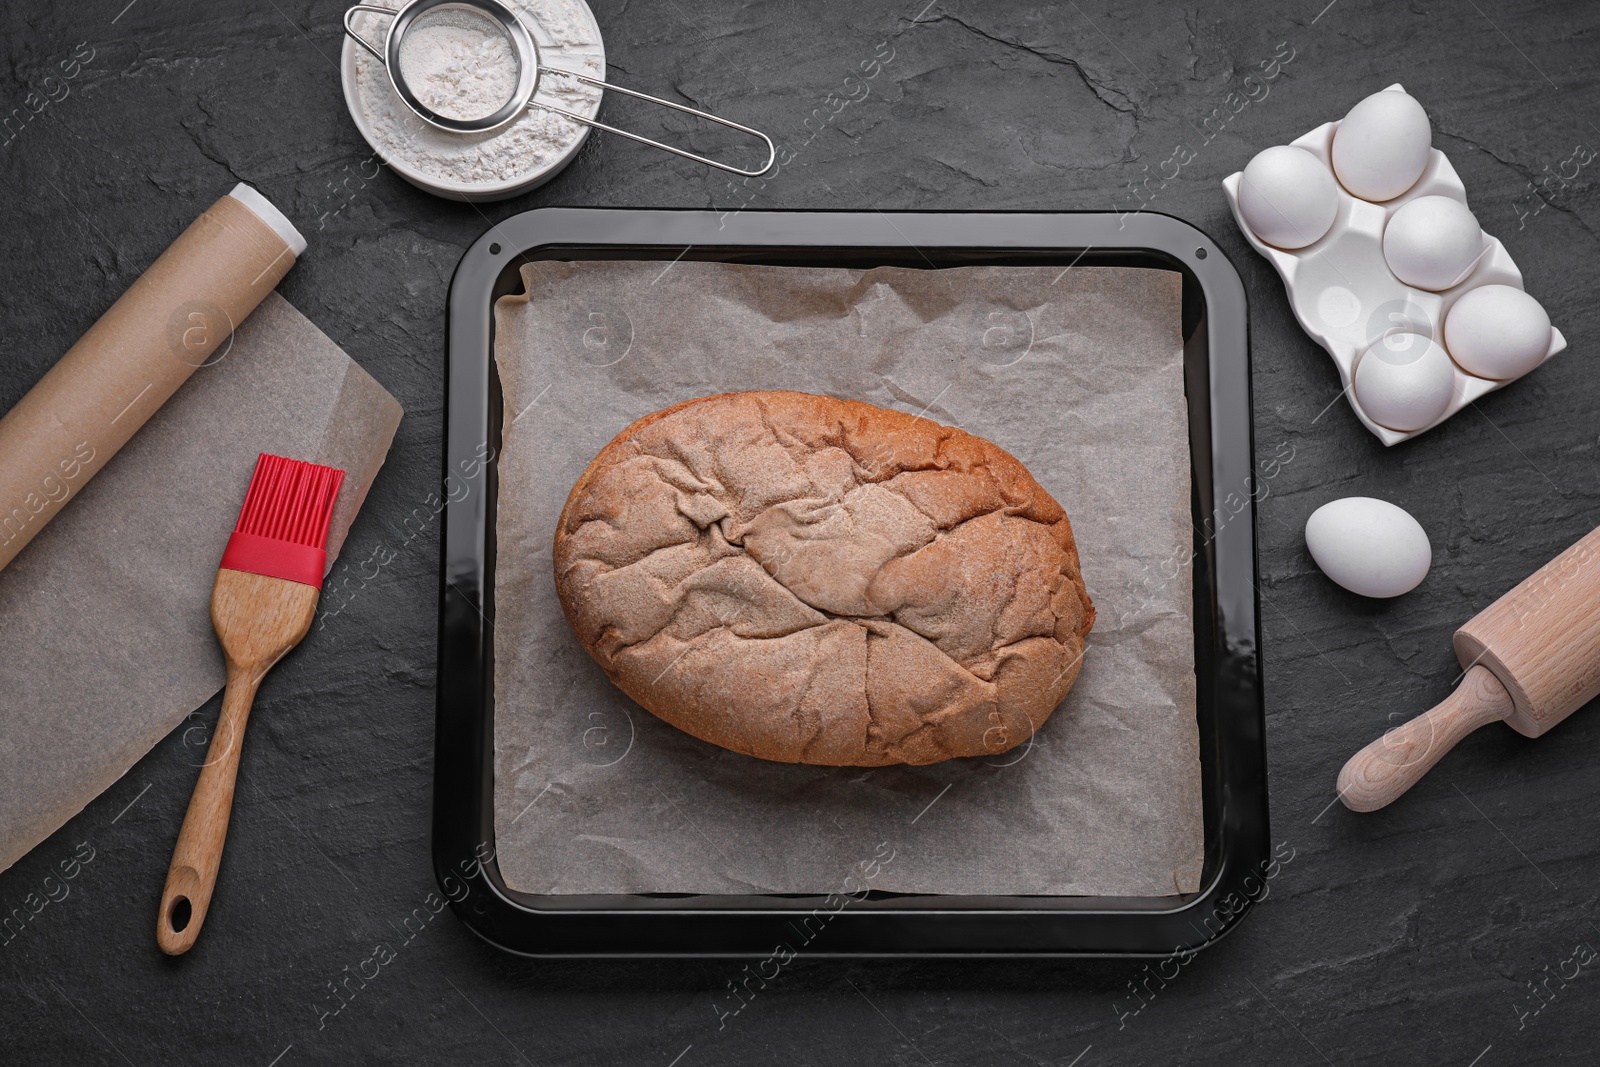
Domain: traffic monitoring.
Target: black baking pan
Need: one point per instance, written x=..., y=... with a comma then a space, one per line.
x=1238, y=863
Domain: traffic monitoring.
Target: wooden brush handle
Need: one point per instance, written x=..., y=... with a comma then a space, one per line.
x=258, y=619
x=1379, y=773
x=198, y=855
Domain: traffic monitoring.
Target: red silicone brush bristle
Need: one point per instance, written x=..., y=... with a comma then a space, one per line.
x=283, y=526
x=290, y=500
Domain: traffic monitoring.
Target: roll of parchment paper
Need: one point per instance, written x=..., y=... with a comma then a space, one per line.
x=177, y=317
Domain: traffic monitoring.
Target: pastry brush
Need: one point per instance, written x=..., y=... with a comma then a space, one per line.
x=262, y=605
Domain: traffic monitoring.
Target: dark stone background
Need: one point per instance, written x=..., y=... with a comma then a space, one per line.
x=1406, y=936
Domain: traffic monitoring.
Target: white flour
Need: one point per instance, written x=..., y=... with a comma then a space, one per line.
x=458, y=64
x=537, y=141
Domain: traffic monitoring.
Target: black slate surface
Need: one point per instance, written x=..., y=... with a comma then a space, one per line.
x=1454, y=928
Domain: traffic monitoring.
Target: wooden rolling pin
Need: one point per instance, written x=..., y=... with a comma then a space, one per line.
x=1531, y=659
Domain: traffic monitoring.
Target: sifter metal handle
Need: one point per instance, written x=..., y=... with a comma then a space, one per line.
x=350, y=31
x=772, y=152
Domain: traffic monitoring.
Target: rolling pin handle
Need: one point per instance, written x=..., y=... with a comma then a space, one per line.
x=1377, y=775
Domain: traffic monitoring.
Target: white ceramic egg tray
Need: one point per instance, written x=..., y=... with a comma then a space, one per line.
x=1346, y=297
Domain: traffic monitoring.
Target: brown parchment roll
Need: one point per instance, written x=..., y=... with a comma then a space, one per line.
x=179, y=315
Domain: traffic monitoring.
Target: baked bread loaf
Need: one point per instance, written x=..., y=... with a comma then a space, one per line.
x=814, y=580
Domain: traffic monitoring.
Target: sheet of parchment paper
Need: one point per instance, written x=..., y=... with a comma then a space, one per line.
x=1078, y=374
x=105, y=618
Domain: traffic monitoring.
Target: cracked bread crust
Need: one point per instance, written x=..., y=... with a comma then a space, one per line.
x=814, y=580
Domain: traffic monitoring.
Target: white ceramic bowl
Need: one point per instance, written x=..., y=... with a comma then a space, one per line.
x=568, y=38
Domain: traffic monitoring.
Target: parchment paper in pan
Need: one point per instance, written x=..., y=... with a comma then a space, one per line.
x=105, y=624
x=1078, y=374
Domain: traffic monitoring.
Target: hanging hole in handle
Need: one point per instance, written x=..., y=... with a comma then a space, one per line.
x=179, y=914
x=494, y=249
x=1199, y=253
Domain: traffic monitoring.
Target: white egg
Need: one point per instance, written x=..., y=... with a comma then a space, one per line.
x=1497, y=331
x=1432, y=242
x=1381, y=147
x=1369, y=546
x=1287, y=197
x=1404, y=381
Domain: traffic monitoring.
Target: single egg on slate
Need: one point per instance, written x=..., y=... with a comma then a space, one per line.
x=1369, y=546
x=1497, y=331
x=1287, y=197
x=1404, y=381
x=1381, y=147
x=1432, y=242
